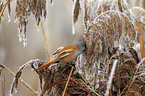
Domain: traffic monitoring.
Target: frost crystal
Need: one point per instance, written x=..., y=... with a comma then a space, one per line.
x=9, y=18
x=73, y=29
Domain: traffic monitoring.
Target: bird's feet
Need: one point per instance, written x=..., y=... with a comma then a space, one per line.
x=72, y=65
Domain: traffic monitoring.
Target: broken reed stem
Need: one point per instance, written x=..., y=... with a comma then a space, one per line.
x=141, y=39
x=21, y=80
x=3, y=8
x=3, y=82
x=68, y=80
x=45, y=41
x=111, y=78
x=90, y=88
x=142, y=60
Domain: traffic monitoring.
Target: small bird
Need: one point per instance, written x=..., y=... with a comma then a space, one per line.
x=66, y=54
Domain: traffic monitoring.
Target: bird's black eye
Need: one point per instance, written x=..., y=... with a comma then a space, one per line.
x=57, y=62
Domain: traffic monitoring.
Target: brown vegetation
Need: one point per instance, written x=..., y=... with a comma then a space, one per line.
x=111, y=30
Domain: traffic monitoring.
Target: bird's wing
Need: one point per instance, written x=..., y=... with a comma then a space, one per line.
x=64, y=53
x=58, y=50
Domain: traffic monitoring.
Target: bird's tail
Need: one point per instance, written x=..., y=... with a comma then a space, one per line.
x=45, y=65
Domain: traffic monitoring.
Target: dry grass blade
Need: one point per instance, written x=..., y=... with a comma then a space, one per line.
x=76, y=11
x=134, y=54
x=85, y=14
x=3, y=82
x=68, y=80
x=109, y=84
x=40, y=10
x=15, y=83
x=45, y=41
x=3, y=8
x=120, y=6
x=2, y=70
x=90, y=88
x=51, y=1
x=9, y=7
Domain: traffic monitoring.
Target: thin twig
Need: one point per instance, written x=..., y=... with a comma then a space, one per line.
x=68, y=80
x=142, y=60
x=45, y=41
x=90, y=88
x=111, y=78
x=3, y=8
x=123, y=90
x=22, y=81
x=3, y=82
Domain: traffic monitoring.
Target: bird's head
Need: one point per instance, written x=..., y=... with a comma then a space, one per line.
x=81, y=46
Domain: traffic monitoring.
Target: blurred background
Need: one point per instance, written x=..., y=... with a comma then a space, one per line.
x=58, y=29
